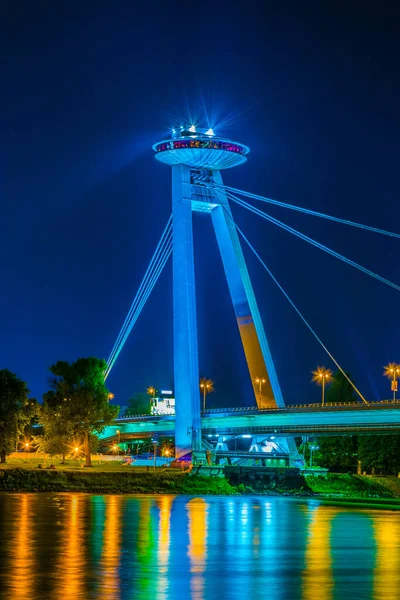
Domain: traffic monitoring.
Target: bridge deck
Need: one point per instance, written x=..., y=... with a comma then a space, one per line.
x=327, y=420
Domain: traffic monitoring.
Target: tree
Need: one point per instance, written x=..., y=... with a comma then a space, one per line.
x=381, y=453
x=341, y=390
x=16, y=411
x=337, y=453
x=80, y=399
x=139, y=404
x=58, y=436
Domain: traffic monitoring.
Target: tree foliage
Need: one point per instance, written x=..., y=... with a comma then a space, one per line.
x=139, y=404
x=341, y=390
x=79, y=401
x=58, y=435
x=342, y=453
x=16, y=411
x=337, y=453
x=380, y=453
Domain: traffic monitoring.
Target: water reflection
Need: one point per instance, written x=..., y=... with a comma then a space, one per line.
x=173, y=548
x=386, y=572
x=318, y=576
x=70, y=570
x=197, y=548
x=110, y=558
x=22, y=556
x=146, y=555
x=164, y=505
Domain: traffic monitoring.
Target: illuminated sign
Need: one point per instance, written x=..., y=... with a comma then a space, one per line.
x=166, y=392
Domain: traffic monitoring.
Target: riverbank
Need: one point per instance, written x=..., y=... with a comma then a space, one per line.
x=117, y=482
x=343, y=489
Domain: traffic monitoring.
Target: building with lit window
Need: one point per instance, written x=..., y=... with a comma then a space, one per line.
x=164, y=404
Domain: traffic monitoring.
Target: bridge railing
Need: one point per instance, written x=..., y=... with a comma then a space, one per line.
x=289, y=407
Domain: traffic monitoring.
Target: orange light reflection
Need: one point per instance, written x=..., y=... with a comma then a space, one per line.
x=317, y=576
x=387, y=535
x=109, y=563
x=22, y=557
x=197, y=549
x=71, y=566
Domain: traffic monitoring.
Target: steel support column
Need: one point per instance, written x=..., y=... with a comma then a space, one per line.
x=186, y=362
x=255, y=344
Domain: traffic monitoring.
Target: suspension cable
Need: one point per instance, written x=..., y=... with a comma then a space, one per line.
x=145, y=285
x=295, y=307
x=306, y=238
x=306, y=211
x=164, y=258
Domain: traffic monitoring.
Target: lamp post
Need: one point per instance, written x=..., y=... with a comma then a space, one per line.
x=118, y=439
x=260, y=383
x=26, y=451
x=392, y=371
x=155, y=452
x=312, y=448
x=206, y=386
x=322, y=376
x=151, y=391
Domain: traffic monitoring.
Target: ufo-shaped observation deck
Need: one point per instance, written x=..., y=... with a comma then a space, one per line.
x=196, y=148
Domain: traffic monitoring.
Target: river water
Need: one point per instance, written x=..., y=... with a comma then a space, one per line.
x=72, y=546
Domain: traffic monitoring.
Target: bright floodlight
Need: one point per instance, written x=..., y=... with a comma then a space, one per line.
x=210, y=132
x=192, y=128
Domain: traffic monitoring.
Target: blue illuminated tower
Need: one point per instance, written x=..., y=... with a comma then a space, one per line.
x=197, y=158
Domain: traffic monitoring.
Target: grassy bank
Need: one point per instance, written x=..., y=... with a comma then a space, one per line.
x=338, y=488
x=29, y=480
x=350, y=486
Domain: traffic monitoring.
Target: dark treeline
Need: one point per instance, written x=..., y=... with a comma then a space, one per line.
x=372, y=453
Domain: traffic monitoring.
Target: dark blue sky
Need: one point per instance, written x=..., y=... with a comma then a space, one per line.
x=88, y=87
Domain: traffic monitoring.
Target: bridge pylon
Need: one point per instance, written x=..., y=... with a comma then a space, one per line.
x=197, y=158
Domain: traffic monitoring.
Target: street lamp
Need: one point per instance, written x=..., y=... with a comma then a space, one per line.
x=322, y=376
x=26, y=451
x=116, y=448
x=151, y=391
x=155, y=452
x=392, y=371
x=204, y=387
x=207, y=386
x=111, y=396
x=260, y=383
x=312, y=449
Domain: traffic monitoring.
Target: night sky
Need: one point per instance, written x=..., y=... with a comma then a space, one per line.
x=88, y=87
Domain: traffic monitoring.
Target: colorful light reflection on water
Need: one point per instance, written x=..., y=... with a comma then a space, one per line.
x=74, y=546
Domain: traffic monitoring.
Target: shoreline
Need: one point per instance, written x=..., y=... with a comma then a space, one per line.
x=335, y=489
